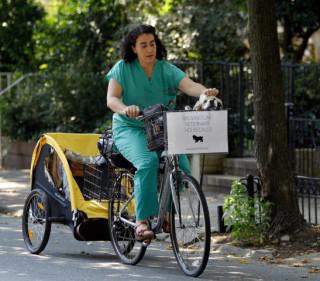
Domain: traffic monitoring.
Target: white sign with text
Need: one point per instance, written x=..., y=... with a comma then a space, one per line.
x=191, y=132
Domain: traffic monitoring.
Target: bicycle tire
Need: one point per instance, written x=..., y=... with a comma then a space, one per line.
x=36, y=227
x=191, y=237
x=122, y=235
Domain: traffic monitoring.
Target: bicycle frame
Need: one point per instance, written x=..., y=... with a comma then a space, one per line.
x=170, y=180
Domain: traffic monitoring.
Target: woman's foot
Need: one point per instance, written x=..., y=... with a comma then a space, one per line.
x=142, y=231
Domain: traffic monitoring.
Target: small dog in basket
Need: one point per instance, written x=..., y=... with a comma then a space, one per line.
x=197, y=138
x=207, y=102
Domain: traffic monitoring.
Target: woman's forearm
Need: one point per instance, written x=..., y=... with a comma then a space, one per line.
x=191, y=88
x=114, y=101
x=195, y=89
x=115, y=104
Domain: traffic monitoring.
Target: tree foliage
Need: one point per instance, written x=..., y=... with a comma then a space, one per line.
x=300, y=19
x=201, y=30
x=84, y=31
x=17, y=21
x=71, y=53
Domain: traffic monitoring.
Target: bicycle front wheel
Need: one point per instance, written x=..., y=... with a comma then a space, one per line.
x=122, y=235
x=190, y=228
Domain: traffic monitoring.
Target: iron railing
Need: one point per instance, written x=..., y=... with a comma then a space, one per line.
x=308, y=189
x=309, y=198
x=234, y=81
x=304, y=141
x=5, y=79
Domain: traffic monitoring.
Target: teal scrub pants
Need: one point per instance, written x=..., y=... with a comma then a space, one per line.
x=131, y=143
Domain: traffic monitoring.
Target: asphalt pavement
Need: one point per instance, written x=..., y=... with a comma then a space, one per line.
x=14, y=189
x=248, y=264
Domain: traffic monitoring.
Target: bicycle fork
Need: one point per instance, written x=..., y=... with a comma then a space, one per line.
x=175, y=184
x=163, y=198
x=176, y=187
x=172, y=181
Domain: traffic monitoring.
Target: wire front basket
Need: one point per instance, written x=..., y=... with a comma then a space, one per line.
x=98, y=182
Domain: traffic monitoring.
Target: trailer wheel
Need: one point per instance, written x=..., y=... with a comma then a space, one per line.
x=35, y=224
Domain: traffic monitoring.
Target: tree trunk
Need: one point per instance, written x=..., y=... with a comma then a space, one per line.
x=270, y=121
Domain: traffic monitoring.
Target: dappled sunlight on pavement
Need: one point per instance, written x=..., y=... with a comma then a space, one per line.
x=14, y=189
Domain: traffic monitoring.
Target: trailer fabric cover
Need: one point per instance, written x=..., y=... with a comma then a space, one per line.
x=85, y=145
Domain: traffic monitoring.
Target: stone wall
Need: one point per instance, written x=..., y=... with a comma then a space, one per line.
x=16, y=154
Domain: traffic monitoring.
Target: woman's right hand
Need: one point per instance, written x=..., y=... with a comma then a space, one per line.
x=131, y=111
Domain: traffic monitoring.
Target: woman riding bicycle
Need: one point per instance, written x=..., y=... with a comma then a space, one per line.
x=143, y=78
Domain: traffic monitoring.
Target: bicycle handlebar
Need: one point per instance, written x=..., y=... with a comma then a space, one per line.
x=204, y=103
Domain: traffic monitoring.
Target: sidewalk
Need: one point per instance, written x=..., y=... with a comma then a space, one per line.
x=14, y=188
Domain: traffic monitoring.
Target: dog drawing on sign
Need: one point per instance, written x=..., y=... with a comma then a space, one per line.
x=197, y=138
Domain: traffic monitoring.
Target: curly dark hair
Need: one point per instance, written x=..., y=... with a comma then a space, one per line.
x=130, y=39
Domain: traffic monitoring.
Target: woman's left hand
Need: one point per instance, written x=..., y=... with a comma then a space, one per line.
x=210, y=92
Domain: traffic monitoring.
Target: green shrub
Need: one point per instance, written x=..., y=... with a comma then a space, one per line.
x=65, y=99
x=248, y=218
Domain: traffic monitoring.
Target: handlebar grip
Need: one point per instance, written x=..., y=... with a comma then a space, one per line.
x=140, y=116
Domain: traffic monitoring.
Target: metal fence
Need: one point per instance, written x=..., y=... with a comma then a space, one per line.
x=309, y=198
x=304, y=141
x=5, y=79
x=308, y=189
x=234, y=81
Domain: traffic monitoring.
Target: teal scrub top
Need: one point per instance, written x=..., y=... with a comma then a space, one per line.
x=138, y=90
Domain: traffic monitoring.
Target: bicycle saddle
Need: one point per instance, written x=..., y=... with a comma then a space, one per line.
x=117, y=160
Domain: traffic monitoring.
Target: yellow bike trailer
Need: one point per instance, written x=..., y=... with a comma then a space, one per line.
x=70, y=184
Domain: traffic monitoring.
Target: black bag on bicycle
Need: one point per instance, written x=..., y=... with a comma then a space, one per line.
x=105, y=144
x=153, y=121
x=109, y=151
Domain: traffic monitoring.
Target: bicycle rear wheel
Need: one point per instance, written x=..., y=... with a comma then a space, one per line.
x=35, y=224
x=190, y=228
x=122, y=235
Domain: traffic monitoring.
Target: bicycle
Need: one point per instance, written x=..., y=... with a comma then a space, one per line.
x=189, y=220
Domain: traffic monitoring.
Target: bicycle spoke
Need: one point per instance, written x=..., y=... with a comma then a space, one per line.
x=122, y=234
x=191, y=232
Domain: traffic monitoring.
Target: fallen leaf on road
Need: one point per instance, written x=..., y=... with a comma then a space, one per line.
x=272, y=260
x=243, y=261
x=315, y=270
x=300, y=264
x=266, y=258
